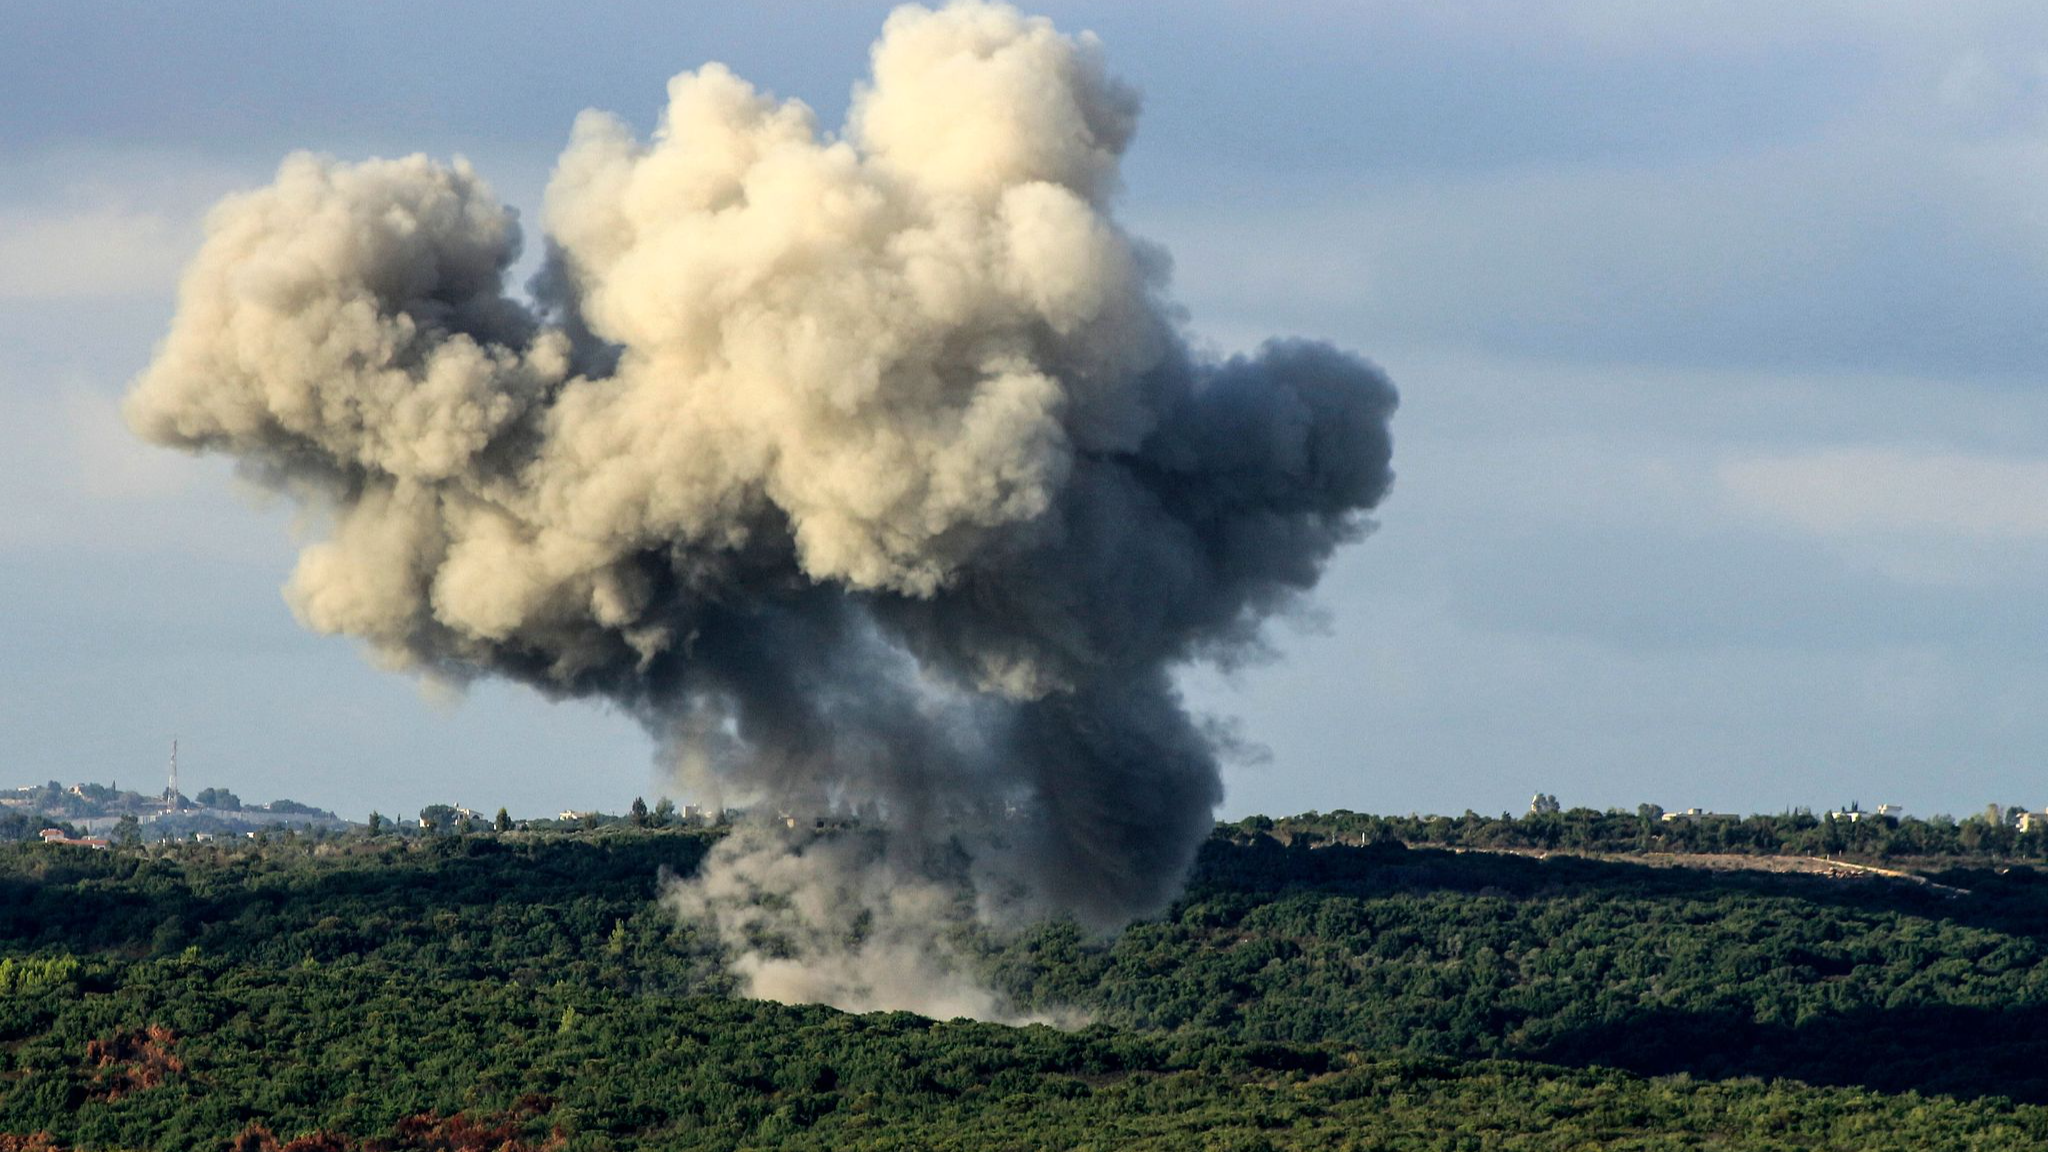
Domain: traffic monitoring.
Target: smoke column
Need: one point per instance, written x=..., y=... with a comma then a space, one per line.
x=871, y=472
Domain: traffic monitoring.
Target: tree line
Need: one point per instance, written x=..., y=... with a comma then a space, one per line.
x=1991, y=835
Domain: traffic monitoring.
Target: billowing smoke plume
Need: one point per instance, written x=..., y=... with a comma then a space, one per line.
x=859, y=920
x=871, y=472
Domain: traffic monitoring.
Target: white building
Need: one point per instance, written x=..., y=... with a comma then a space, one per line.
x=57, y=836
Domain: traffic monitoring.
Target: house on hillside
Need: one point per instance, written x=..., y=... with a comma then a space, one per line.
x=57, y=836
x=1696, y=815
x=1854, y=813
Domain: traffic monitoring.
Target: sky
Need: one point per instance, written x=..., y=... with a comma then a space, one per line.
x=1722, y=457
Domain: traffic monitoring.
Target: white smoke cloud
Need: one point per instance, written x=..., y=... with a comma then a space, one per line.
x=866, y=470
x=837, y=919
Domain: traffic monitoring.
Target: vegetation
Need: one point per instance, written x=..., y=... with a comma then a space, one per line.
x=1587, y=962
x=508, y=989
x=1991, y=835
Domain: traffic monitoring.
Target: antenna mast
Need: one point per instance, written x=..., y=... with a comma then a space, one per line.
x=171, y=793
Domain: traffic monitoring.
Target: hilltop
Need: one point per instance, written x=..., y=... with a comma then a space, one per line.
x=106, y=808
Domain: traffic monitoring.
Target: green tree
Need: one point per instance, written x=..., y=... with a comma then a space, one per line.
x=218, y=798
x=637, y=815
x=504, y=821
x=376, y=823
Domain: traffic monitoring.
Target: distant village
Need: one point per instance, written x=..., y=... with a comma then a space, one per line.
x=99, y=815
x=90, y=815
x=2019, y=819
x=94, y=815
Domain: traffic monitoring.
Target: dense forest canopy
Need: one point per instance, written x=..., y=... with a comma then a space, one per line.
x=2000, y=832
x=1388, y=982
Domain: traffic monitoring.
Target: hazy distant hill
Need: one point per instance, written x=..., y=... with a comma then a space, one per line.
x=102, y=808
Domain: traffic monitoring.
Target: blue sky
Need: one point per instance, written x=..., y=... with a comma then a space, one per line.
x=1723, y=453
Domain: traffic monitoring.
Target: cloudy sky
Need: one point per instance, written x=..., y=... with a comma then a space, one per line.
x=1723, y=452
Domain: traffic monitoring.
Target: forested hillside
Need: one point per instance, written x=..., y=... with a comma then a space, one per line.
x=473, y=990
x=1999, y=833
